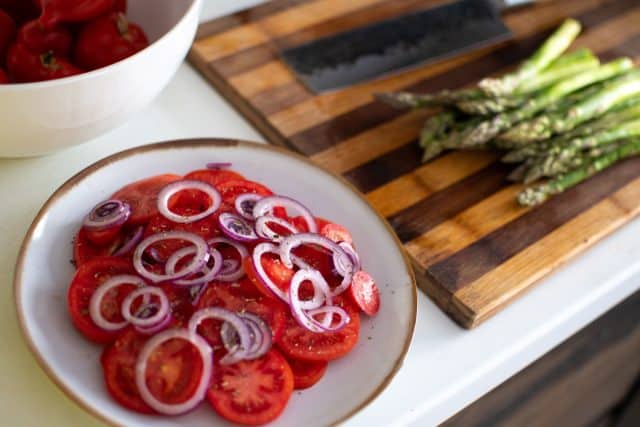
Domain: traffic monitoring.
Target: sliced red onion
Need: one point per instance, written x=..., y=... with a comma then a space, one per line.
x=263, y=338
x=177, y=186
x=132, y=240
x=327, y=312
x=296, y=304
x=196, y=292
x=227, y=274
x=266, y=205
x=205, y=379
x=235, y=227
x=95, y=303
x=199, y=258
x=208, y=272
x=162, y=312
x=152, y=330
x=242, y=330
x=245, y=203
x=339, y=261
x=263, y=230
x=256, y=259
x=218, y=165
x=107, y=214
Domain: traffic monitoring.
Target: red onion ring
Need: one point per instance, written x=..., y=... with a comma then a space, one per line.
x=131, y=242
x=236, y=228
x=218, y=165
x=329, y=311
x=256, y=260
x=245, y=203
x=338, y=261
x=233, y=275
x=95, y=311
x=177, y=186
x=266, y=205
x=146, y=322
x=262, y=333
x=107, y=214
x=297, y=309
x=196, y=264
x=210, y=273
x=151, y=330
x=263, y=230
x=207, y=369
x=235, y=321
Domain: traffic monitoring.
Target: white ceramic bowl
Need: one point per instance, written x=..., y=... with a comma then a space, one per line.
x=43, y=272
x=39, y=118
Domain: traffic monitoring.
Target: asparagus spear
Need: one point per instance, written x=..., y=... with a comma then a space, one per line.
x=620, y=89
x=488, y=129
x=551, y=49
x=536, y=195
x=403, y=100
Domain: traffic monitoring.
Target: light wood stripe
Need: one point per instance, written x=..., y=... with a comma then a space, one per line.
x=326, y=106
x=505, y=282
x=424, y=181
x=372, y=143
x=278, y=25
x=467, y=227
x=263, y=78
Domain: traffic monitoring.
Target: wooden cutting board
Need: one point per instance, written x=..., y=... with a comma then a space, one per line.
x=474, y=249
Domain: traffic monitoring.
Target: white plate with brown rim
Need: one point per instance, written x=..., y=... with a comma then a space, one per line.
x=43, y=273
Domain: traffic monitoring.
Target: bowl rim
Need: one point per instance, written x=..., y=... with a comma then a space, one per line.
x=76, y=179
x=193, y=8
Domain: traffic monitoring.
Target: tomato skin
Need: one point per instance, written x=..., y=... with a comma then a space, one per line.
x=364, y=293
x=103, y=237
x=239, y=296
x=142, y=196
x=274, y=268
x=26, y=66
x=336, y=232
x=40, y=40
x=120, y=6
x=107, y=40
x=252, y=392
x=231, y=189
x=84, y=283
x=7, y=33
x=57, y=11
x=214, y=177
x=299, y=343
x=305, y=373
x=4, y=79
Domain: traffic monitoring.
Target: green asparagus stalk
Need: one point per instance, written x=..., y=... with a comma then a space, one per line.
x=550, y=50
x=489, y=129
x=536, y=195
x=404, y=100
x=616, y=92
x=434, y=130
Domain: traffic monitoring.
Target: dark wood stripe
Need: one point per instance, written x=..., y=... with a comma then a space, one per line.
x=482, y=256
x=630, y=47
x=326, y=134
x=443, y=205
x=377, y=172
x=242, y=17
x=280, y=97
x=254, y=57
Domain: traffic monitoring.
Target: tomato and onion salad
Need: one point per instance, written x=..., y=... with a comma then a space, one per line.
x=52, y=39
x=209, y=286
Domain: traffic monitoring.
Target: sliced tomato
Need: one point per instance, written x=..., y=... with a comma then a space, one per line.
x=233, y=188
x=84, y=249
x=173, y=370
x=142, y=196
x=364, y=292
x=180, y=302
x=307, y=373
x=85, y=282
x=298, y=342
x=252, y=392
x=239, y=296
x=103, y=237
x=275, y=269
x=214, y=177
x=336, y=232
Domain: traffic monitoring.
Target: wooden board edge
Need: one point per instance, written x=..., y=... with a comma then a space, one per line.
x=238, y=102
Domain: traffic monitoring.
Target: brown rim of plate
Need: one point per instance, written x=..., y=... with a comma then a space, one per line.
x=185, y=144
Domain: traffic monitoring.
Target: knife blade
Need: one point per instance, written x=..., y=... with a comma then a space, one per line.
x=396, y=44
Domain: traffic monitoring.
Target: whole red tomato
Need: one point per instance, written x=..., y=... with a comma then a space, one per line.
x=26, y=66
x=57, y=11
x=40, y=40
x=20, y=10
x=7, y=33
x=4, y=79
x=120, y=6
x=106, y=40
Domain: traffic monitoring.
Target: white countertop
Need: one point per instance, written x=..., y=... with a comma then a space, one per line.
x=447, y=367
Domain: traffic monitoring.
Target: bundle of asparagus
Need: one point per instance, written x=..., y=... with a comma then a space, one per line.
x=561, y=116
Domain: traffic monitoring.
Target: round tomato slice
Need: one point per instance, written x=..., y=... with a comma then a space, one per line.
x=84, y=249
x=142, y=196
x=233, y=188
x=239, y=297
x=85, y=282
x=336, y=232
x=364, y=292
x=180, y=302
x=214, y=176
x=173, y=370
x=103, y=237
x=252, y=392
x=275, y=269
x=307, y=373
x=298, y=342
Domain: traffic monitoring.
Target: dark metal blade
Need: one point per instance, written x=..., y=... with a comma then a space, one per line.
x=388, y=46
